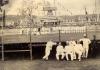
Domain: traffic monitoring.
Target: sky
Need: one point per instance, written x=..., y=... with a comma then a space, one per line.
x=64, y=7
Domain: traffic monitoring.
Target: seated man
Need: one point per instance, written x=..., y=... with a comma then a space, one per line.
x=69, y=50
x=59, y=51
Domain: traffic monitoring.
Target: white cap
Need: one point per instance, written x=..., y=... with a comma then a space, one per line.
x=59, y=43
x=84, y=35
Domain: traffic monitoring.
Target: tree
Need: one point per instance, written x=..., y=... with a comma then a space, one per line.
x=27, y=11
x=27, y=8
x=3, y=2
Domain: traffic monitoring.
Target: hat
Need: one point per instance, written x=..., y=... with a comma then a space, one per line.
x=85, y=35
x=59, y=43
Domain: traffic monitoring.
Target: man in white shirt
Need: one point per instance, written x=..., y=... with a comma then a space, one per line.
x=86, y=43
x=69, y=50
x=60, y=51
x=48, y=48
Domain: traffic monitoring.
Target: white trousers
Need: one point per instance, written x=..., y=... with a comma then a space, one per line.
x=85, y=53
x=71, y=55
x=47, y=53
x=58, y=54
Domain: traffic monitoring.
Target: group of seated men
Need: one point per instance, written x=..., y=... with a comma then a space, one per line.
x=71, y=48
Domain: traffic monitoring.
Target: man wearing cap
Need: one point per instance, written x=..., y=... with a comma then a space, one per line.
x=48, y=48
x=86, y=43
x=59, y=51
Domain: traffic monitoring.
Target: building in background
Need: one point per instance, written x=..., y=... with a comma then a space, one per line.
x=23, y=22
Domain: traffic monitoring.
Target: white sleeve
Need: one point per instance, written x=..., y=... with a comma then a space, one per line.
x=89, y=41
x=56, y=48
x=80, y=40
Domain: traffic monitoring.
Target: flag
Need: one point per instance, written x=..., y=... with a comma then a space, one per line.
x=86, y=13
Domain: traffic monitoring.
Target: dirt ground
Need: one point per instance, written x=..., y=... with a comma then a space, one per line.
x=21, y=61
x=39, y=64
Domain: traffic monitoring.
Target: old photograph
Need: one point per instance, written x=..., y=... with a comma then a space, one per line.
x=49, y=35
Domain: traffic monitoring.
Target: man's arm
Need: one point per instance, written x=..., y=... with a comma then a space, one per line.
x=89, y=41
x=80, y=40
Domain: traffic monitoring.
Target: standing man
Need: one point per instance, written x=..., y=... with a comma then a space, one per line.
x=48, y=48
x=86, y=43
x=59, y=51
x=94, y=48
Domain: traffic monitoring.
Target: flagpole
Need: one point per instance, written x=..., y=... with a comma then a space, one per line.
x=3, y=19
x=86, y=20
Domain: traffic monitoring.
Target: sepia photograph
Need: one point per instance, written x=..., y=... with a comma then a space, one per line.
x=49, y=35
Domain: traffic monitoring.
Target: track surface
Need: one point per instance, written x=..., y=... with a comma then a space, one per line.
x=88, y=64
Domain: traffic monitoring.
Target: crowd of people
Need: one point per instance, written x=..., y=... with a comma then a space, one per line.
x=72, y=49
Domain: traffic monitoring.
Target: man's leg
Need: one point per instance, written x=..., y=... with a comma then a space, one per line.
x=67, y=56
x=47, y=53
x=87, y=50
x=57, y=56
x=84, y=52
x=63, y=55
x=79, y=55
x=72, y=56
